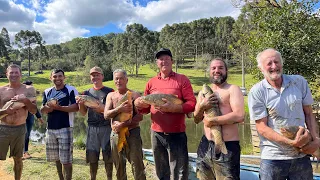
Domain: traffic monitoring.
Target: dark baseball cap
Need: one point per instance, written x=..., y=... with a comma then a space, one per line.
x=163, y=51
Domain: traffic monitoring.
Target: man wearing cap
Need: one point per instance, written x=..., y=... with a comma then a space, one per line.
x=168, y=137
x=99, y=129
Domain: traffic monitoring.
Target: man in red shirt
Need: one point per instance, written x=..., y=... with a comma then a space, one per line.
x=168, y=137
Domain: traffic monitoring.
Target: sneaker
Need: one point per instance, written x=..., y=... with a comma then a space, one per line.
x=26, y=155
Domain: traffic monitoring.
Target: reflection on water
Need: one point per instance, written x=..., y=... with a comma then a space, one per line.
x=194, y=132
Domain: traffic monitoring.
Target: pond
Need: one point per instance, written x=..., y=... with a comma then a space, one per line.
x=194, y=132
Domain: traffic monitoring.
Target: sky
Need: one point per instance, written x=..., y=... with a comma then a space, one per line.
x=62, y=20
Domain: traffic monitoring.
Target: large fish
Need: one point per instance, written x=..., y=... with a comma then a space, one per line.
x=89, y=101
x=14, y=105
x=216, y=131
x=124, y=132
x=291, y=132
x=156, y=99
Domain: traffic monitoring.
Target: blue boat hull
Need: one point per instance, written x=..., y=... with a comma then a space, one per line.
x=247, y=171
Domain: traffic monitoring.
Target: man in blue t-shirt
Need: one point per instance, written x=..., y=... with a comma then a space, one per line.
x=99, y=129
x=59, y=137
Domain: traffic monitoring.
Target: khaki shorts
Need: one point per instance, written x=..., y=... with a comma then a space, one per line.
x=13, y=137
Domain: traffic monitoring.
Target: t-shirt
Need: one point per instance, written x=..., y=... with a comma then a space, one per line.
x=95, y=118
x=282, y=108
x=65, y=96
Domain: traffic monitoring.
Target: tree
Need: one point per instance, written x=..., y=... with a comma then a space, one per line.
x=25, y=39
x=292, y=29
x=5, y=45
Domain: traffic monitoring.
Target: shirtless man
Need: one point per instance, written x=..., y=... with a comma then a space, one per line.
x=231, y=104
x=12, y=127
x=133, y=152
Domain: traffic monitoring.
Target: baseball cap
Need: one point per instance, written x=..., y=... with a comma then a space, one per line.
x=96, y=69
x=163, y=51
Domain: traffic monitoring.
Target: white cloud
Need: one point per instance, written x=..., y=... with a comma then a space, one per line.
x=158, y=13
x=67, y=19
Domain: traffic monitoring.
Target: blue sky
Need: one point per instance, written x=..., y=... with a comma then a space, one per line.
x=62, y=20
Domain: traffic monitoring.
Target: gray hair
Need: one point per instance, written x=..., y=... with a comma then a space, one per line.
x=124, y=72
x=258, y=58
x=13, y=66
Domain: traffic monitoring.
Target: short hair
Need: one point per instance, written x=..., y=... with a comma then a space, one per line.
x=55, y=71
x=258, y=58
x=124, y=72
x=219, y=59
x=13, y=66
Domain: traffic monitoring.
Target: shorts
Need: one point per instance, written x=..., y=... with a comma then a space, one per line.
x=13, y=137
x=218, y=166
x=59, y=145
x=98, y=138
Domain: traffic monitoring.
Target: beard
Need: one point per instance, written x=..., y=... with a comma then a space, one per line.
x=220, y=80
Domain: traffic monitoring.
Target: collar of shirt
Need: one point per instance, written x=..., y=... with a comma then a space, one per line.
x=285, y=82
x=171, y=74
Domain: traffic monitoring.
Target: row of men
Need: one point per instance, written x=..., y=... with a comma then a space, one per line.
x=277, y=101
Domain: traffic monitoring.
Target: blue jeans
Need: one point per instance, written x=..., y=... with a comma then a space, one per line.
x=293, y=169
x=29, y=124
x=170, y=154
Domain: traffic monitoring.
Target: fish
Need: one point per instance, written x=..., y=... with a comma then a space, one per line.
x=89, y=101
x=14, y=105
x=291, y=132
x=216, y=131
x=52, y=102
x=124, y=132
x=156, y=99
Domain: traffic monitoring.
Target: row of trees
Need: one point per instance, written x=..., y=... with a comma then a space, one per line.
x=292, y=27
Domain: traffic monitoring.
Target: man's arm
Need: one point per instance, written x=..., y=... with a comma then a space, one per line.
x=71, y=108
x=137, y=117
x=237, y=106
x=30, y=105
x=313, y=128
x=199, y=110
x=109, y=111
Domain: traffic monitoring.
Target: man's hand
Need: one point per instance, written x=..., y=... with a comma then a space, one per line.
x=116, y=126
x=303, y=137
x=80, y=101
x=167, y=106
x=209, y=102
x=140, y=104
x=20, y=98
x=9, y=110
x=47, y=109
x=125, y=107
x=210, y=122
x=311, y=147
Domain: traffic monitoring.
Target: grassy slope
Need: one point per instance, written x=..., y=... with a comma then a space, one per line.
x=38, y=168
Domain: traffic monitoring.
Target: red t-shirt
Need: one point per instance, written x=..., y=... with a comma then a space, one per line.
x=176, y=84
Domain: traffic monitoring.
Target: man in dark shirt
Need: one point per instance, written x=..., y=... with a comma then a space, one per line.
x=99, y=129
x=59, y=136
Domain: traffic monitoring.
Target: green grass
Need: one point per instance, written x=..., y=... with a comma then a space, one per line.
x=37, y=168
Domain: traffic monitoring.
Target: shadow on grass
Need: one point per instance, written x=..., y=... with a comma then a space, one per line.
x=41, y=160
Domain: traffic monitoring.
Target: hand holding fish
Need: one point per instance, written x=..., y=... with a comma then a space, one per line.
x=20, y=98
x=311, y=147
x=168, y=106
x=125, y=107
x=117, y=125
x=140, y=104
x=209, y=102
x=302, y=137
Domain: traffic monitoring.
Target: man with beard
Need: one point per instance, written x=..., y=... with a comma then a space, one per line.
x=99, y=129
x=59, y=135
x=278, y=101
x=212, y=165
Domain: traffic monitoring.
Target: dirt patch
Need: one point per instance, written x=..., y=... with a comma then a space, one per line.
x=3, y=173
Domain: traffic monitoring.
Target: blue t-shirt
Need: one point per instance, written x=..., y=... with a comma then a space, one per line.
x=65, y=96
x=282, y=108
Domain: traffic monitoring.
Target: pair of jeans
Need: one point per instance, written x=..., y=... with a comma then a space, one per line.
x=293, y=169
x=170, y=154
x=29, y=124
